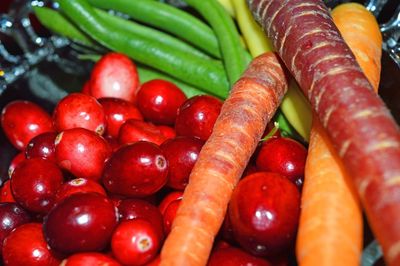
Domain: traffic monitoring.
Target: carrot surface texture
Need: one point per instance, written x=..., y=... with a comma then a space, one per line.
x=325, y=236
x=360, y=126
x=252, y=102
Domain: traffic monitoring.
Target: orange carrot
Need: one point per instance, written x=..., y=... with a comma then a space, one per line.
x=330, y=228
x=252, y=102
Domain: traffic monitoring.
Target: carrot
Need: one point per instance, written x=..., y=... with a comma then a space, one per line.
x=360, y=126
x=251, y=104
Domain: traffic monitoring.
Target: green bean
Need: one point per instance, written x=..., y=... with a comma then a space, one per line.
x=207, y=75
x=167, y=18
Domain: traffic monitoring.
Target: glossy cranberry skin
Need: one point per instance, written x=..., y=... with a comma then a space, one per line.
x=181, y=153
x=34, y=184
x=167, y=131
x=20, y=157
x=11, y=216
x=117, y=111
x=114, y=75
x=135, y=242
x=197, y=116
x=134, y=130
x=168, y=199
x=284, y=156
x=86, y=88
x=232, y=256
x=42, y=146
x=23, y=120
x=78, y=185
x=27, y=246
x=90, y=258
x=158, y=100
x=169, y=215
x=79, y=110
x=81, y=222
x=6, y=193
x=136, y=170
x=129, y=209
x=264, y=213
x=82, y=152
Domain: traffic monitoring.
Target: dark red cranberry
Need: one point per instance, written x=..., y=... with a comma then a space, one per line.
x=232, y=256
x=86, y=88
x=11, y=216
x=78, y=185
x=15, y=161
x=6, y=193
x=284, y=156
x=169, y=215
x=26, y=246
x=155, y=262
x=23, y=120
x=135, y=242
x=129, y=209
x=79, y=110
x=181, y=153
x=167, y=131
x=34, y=184
x=158, y=100
x=89, y=258
x=170, y=197
x=82, y=152
x=81, y=222
x=114, y=75
x=136, y=130
x=139, y=169
x=42, y=146
x=264, y=213
x=117, y=111
x=197, y=116
x=113, y=143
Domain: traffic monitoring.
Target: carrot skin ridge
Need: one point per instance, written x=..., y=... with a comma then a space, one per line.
x=252, y=102
x=359, y=124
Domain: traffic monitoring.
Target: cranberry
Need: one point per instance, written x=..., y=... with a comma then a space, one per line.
x=27, y=246
x=170, y=197
x=11, y=216
x=167, y=131
x=89, y=258
x=232, y=256
x=117, y=111
x=20, y=157
x=6, y=193
x=264, y=213
x=81, y=222
x=42, y=146
x=130, y=209
x=284, y=156
x=136, y=130
x=159, y=100
x=23, y=120
x=78, y=185
x=139, y=169
x=86, y=88
x=79, y=110
x=82, y=152
x=154, y=262
x=113, y=143
x=34, y=184
x=169, y=215
x=197, y=116
x=181, y=153
x=135, y=242
x=114, y=75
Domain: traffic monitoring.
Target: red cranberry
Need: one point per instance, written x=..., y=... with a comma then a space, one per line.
x=284, y=156
x=130, y=209
x=169, y=215
x=170, y=197
x=86, y=88
x=113, y=143
x=27, y=246
x=197, y=116
x=264, y=213
x=117, y=111
x=20, y=157
x=42, y=146
x=82, y=152
x=114, y=75
x=79, y=110
x=6, y=193
x=11, y=216
x=23, y=120
x=155, y=262
x=34, y=184
x=136, y=130
x=81, y=222
x=78, y=185
x=167, y=131
x=181, y=153
x=89, y=258
x=159, y=100
x=139, y=169
x=135, y=242
x=232, y=256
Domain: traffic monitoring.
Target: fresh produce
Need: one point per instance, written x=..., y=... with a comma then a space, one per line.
x=231, y=256
x=137, y=130
x=326, y=70
x=78, y=185
x=89, y=258
x=42, y=146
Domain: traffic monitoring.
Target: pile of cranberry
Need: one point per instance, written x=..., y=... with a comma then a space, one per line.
x=99, y=181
